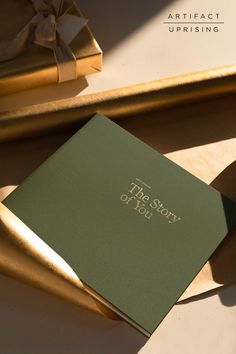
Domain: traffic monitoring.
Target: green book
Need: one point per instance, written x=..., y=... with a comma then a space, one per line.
x=134, y=226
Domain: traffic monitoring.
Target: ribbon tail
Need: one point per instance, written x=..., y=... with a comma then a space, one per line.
x=46, y=36
x=66, y=61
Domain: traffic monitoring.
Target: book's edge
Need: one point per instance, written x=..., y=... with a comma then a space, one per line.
x=112, y=307
x=61, y=148
x=98, y=116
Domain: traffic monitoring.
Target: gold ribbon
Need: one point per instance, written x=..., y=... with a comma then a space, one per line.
x=43, y=30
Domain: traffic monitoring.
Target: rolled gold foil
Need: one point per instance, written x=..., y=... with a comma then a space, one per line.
x=24, y=256
x=121, y=102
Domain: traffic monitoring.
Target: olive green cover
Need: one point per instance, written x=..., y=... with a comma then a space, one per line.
x=133, y=225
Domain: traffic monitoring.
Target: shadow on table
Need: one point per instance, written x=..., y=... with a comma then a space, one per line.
x=19, y=159
x=41, y=323
x=112, y=21
x=223, y=261
x=186, y=126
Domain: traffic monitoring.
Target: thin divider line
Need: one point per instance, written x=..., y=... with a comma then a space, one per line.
x=145, y=184
x=194, y=23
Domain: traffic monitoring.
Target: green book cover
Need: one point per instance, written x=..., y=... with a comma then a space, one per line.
x=134, y=226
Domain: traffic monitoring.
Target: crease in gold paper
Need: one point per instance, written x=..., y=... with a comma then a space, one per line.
x=23, y=255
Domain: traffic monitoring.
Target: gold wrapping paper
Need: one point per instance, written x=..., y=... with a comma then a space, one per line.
x=24, y=256
x=121, y=102
x=37, y=66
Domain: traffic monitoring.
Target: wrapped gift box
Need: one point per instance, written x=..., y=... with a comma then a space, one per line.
x=37, y=65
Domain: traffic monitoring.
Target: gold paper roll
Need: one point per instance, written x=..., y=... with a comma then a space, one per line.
x=128, y=101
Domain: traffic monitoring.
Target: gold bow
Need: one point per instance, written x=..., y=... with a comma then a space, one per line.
x=43, y=30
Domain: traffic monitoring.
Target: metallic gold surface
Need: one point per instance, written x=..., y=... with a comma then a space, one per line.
x=48, y=75
x=37, y=67
x=115, y=103
x=23, y=255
